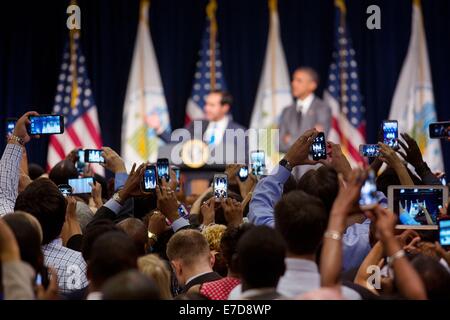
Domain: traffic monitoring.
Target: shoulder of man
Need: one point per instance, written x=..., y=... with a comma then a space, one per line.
x=318, y=103
x=234, y=125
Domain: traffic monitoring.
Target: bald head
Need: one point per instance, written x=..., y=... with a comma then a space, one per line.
x=62, y=172
x=137, y=231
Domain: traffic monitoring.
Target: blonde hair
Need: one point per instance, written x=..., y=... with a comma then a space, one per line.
x=213, y=234
x=155, y=268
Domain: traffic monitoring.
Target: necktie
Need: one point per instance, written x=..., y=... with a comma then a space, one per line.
x=212, y=138
x=299, y=113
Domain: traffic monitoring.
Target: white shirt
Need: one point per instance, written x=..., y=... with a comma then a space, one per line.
x=216, y=128
x=303, y=105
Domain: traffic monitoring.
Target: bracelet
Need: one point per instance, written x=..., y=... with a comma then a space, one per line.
x=17, y=139
x=399, y=254
x=335, y=235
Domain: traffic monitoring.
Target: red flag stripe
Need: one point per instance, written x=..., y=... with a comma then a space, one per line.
x=351, y=149
x=92, y=130
x=73, y=135
x=57, y=146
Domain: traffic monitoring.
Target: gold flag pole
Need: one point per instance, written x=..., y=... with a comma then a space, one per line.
x=211, y=9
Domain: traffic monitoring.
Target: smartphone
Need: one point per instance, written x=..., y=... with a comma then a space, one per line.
x=81, y=185
x=65, y=189
x=243, y=173
x=258, y=162
x=93, y=156
x=177, y=176
x=10, y=125
x=319, y=147
x=80, y=164
x=444, y=232
x=46, y=124
x=438, y=130
x=220, y=186
x=149, y=180
x=182, y=211
x=162, y=166
x=368, y=198
x=443, y=180
x=369, y=150
x=390, y=133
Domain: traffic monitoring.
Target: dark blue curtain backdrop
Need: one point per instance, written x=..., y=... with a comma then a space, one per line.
x=32, y=36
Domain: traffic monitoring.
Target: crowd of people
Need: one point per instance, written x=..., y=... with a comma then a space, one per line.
x=272, y=237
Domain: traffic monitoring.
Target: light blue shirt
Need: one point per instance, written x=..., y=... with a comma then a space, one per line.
x=268, y=192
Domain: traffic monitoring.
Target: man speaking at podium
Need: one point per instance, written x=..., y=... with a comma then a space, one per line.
x=213, y=127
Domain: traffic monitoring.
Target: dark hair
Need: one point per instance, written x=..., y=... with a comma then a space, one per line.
x=137, y=232
x=435, y=277
x=62, y=172
x=301, y=219
x=228, y=244
x=290, y=184
x=312, y=73
x=130, y=285
x=322, y=183
x=226, y=97
x=260, y=255
x=388, y=177
x=94, y=230
x=42, y=199
x=28, y=239
x=112, y=253
x=35, y=171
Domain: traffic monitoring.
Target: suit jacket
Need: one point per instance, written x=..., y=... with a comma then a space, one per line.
x=165, y=136
x=207, y=277
x=293, y=125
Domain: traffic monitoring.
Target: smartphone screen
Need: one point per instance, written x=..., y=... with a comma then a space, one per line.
x=46, y=124
x=93, y=156
x=182, y=211
x=369, y=150
x=368, y=198
x=177, y=176
x=319, y=148
x=149, y=179
x=243, y=173
x=444, y=232
x=258, y=161
x=81, y=185
x=162, y=166
x=439, y=130
x=390, y=133
x=65, y=189
x=10, y=125
x=220, y=186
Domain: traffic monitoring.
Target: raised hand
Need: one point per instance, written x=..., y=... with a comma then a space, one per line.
x=336, y=159
x=208, y=212
x=298, y=153
x=20, y=130
x=411, y=149
x=233, y=212
x=113, y=161
x=167, y=202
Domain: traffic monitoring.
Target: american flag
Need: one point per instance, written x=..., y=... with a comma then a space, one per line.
x=208, y=75
x=343, y=95
x=74, y=100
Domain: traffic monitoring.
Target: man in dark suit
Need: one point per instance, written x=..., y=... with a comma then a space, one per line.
x=213, y=129
x=191, y=259
x=308, y=111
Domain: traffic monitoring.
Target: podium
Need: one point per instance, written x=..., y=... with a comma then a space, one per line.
x=196, y=181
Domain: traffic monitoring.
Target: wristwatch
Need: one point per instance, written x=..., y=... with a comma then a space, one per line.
x=284, y=163
x=17, y=139
x=116, y=197
x=152, y=236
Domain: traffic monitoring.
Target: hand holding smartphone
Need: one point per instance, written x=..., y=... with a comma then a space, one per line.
x=163, y=168
x=439, y=130
x=390, y=133
x=93, y=156
x=258, y=162
x=149, y=180
x=243, y=173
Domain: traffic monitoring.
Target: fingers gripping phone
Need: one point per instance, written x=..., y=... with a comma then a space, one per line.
x=220, y=186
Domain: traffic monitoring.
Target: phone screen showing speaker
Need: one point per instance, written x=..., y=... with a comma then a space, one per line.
x=177, y=176
x=163, y=169
x=93, y=156
x=258, y=161
x=81, y=185
x=369, y=150
x=220, y=186
x=444, y=232
x=439, y=130
x=368, y=198
x=46, y=124
x=417, y=206
x=65, y=189
x=319, y=148
x=390, y=133
x=149, y=179
x=243, y=173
